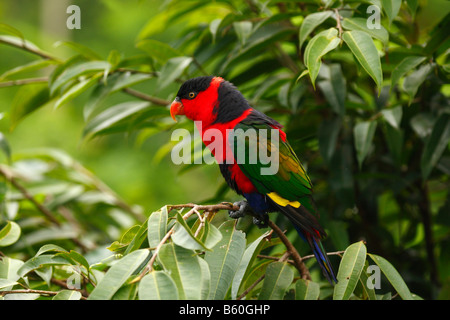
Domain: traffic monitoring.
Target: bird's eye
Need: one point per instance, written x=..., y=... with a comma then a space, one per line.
x=192, y=95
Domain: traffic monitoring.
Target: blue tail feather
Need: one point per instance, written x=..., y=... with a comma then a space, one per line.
x=320, y=254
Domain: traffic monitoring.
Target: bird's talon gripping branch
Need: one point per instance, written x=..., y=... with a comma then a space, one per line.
x=243, y=209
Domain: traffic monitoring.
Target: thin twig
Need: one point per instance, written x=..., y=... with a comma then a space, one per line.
x=33, y=50
x=143, y=96
x=338, y=22
x=336, y=253
x=44, y=292
x=46, y=212
x=251, y=287
x=29, y=197
x=304, y=272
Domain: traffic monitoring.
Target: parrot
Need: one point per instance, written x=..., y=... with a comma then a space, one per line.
x=216, y=104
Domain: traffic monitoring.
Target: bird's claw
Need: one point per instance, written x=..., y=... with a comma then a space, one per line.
x=243, y=208
x=261, y=222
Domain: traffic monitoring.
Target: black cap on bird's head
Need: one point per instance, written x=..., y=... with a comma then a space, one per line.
x=189, y=91
x=208, y=99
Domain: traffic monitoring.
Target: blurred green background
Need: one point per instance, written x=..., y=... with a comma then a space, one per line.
x=127, y=167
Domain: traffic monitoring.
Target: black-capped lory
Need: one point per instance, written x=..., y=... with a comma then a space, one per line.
x=241, y=138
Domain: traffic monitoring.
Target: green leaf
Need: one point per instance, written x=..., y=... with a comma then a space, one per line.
x=67, y=295
x=206, y=279
x=118, y=274
x=80, y=48
x=4, y=146
x=363, y=134
x=335, y=89
x=361, y=25
x=246, y=262
x=32, y=66
x=50, y=247
x=158, y=50
x=138, y=239
x=157, y=227
x=77, y=71
x=113, y=115
x=413, y=81
x=173, y=69
x=391, y=7
x=75, y=258
x=258, y=42
x=310, y=23
x=393, y=276
x=403, y=67
x=367, y=293
x=40, y=261
x=184, y=268
x=210, y=235
x=224, y=259
x=28, y=99
x=304, y=73
x=306, y=290
x=394, y=140
x=157, y=285
x=76, y=90
x=412, y=7
x=4, y=283
x=393, y=116
x=279, y=276
x=214, y=27
x=317, y=47
x=350, y=269
x=438, y=36
x=114, y=83
x=243, y=30
x=9, y=268
x=364, y=50
x=9, y=234
x=184, y=237
x=6, y=28
x=435, y=144
x=328, y=137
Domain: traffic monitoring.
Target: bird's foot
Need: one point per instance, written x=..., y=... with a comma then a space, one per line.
x=262, y=221
x=243, y=209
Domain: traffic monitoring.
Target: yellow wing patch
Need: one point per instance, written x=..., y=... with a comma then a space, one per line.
x=282, y=201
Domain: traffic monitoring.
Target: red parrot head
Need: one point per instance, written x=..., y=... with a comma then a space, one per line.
x=209, y=100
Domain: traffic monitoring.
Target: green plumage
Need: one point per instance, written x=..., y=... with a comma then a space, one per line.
x=290, y=181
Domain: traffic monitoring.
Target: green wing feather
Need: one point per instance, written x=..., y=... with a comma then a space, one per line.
x=290, y=181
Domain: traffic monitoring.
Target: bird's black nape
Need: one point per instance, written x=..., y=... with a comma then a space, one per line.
x=195, y=84
x=231, y=103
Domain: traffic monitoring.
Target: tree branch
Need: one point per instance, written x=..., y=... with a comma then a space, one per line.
x=298, y=262
x=143, y=96
x=32, y=50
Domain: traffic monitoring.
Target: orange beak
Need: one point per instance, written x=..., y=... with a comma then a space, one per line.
x=176, y=108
